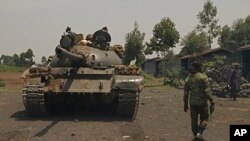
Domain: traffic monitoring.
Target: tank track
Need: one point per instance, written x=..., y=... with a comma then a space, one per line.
x=33, y=99
x=128, y=102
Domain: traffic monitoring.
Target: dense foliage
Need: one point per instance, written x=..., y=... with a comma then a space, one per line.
x=194, y=43
x=208, y=22
x=25, y=59
x=165, y=36
x=236, y=36
x=134, y=46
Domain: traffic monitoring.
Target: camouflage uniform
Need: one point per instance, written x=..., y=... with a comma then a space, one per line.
x=198, y=92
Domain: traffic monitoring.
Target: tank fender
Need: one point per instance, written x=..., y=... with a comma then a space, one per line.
x=126, y=82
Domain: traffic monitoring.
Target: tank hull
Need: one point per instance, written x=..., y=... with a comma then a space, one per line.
x=84, y=89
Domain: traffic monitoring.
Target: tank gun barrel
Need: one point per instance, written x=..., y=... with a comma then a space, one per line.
x=63, y=53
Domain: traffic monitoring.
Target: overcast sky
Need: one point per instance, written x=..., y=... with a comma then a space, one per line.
x=39, y=24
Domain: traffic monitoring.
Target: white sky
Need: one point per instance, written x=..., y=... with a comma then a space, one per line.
x=39, y=24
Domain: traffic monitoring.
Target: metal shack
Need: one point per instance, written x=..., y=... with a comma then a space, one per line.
x=155, y=66
x=245, y=52
x=206, y=55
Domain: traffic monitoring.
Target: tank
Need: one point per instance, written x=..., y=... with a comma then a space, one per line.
x=85, y=75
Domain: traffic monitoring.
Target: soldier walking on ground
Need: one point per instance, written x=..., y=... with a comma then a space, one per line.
x=197, y=92
x=234, y=80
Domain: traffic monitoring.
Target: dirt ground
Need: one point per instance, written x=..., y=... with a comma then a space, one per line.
x=160, y=118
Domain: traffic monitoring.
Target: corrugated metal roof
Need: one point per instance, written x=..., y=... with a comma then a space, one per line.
x=246, y=47
x=156, y=59
x=152, y=59
x=205, y=53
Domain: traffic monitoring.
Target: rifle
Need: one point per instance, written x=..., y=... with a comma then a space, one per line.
x=210, y=116
x=211, y=111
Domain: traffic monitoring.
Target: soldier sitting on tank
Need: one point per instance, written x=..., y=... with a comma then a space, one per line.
x=70, y=38
x=69, y=33
x=67, y=39
x=101, y=39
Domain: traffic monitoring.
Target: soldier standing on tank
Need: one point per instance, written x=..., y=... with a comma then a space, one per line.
x=105, y=29
x=197, y=92
x=234, y=80
x=68, y=31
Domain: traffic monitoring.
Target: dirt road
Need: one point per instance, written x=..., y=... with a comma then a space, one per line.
x=160, y=118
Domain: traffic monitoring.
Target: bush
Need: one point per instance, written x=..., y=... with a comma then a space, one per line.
x=218, y=68
x=151, y=81
x=175, y=77
x=2, y=83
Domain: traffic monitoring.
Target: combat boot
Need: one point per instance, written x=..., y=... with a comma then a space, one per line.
x=234, y=99
x=199, y=137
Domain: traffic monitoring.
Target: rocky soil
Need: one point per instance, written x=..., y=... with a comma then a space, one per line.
x=160, y=118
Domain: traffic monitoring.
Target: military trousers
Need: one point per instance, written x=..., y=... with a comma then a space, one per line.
x=233, y=94
x=196, y=112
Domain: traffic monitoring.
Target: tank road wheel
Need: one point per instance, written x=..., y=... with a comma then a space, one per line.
x=34, y=101
x=127, y=105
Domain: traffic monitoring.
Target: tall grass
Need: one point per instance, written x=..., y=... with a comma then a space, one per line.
x=5, y=68
x=151, y=81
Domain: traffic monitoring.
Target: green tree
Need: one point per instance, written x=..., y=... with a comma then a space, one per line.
x=22, y=59
x=26, y=58
x=236, y=36
x=165, y=36
x=208, y=23
x=194, y=43
x=247, y=30
x=1, y=59
x=8, y=60
x=16, y=59
x=134, y=46
x=29, y=55
x=148, y=51
x=240, y=33
x=225, y=37
x=140, y=59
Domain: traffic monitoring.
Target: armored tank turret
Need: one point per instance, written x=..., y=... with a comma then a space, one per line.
x=83, y=75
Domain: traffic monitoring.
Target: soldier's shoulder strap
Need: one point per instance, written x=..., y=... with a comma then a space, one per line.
x=187, y=79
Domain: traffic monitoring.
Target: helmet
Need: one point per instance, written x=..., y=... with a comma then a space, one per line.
x=197, y=66
x=68, y=29
x=236, y=65
x=105, y=28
